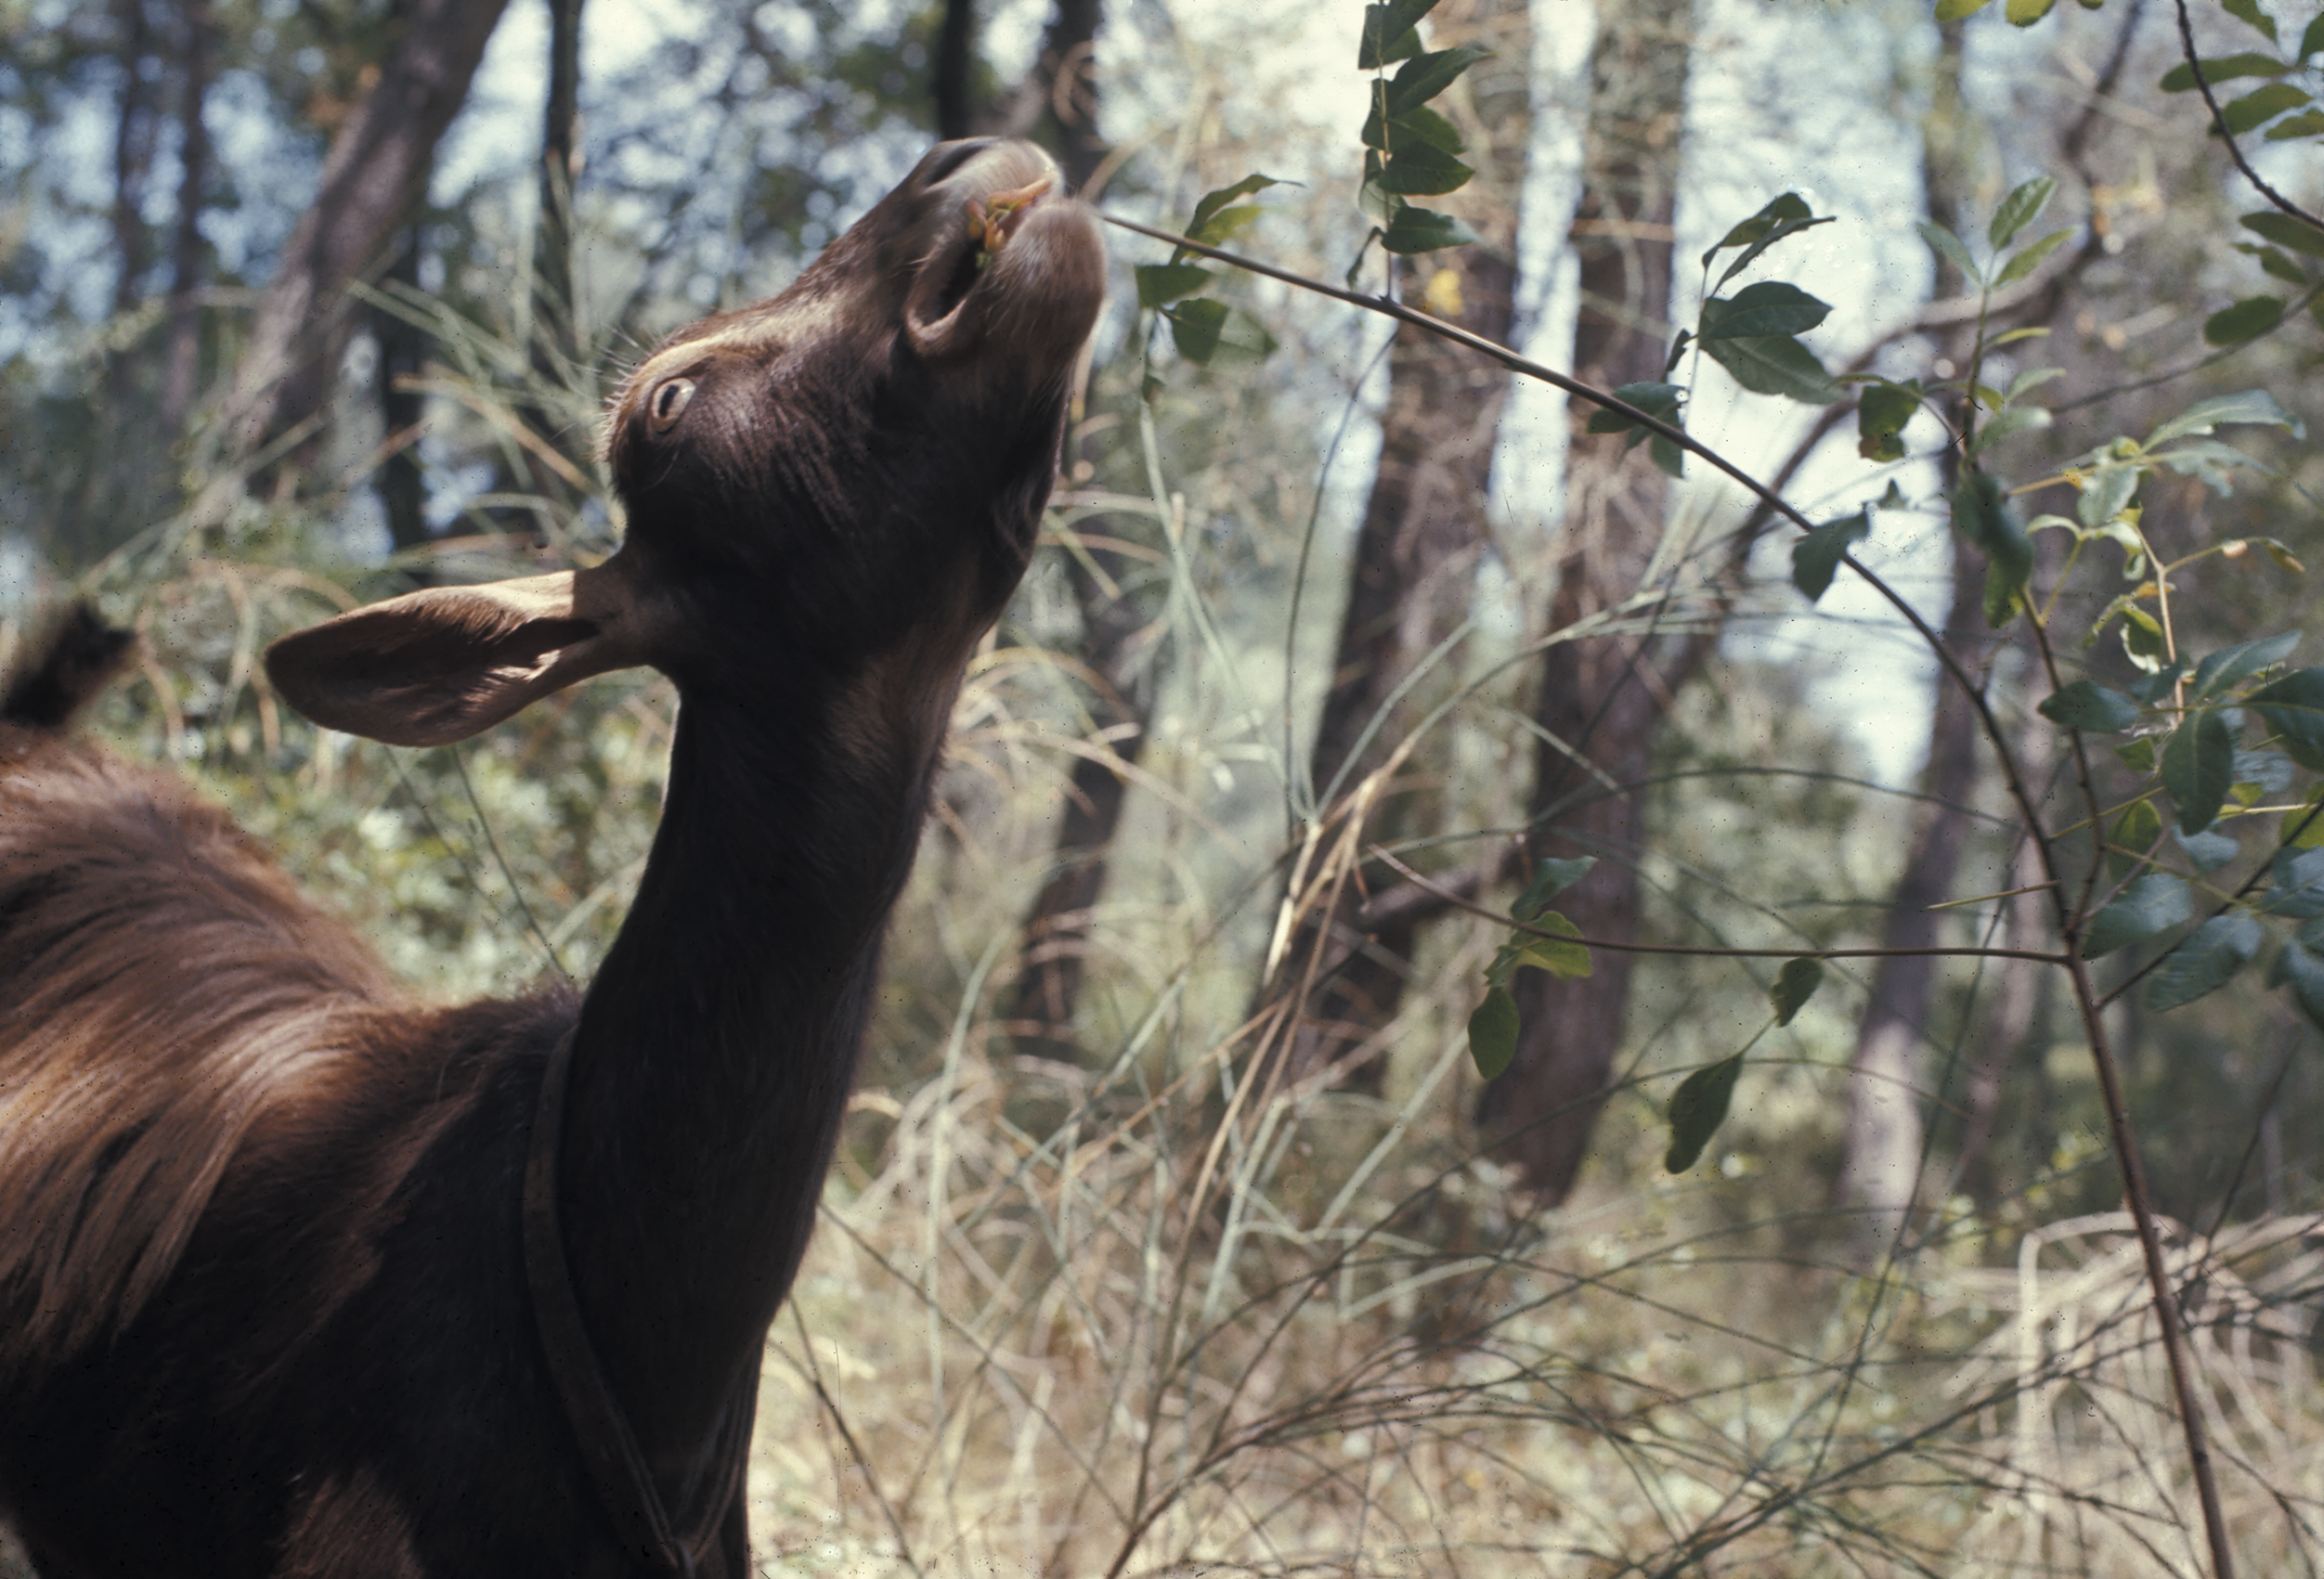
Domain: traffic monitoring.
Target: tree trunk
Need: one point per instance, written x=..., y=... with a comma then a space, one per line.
x=1601, y=698
x=182, y=371
x=376, y=168
x=557, y=348
x=403, y=350
x=952, y=71
x=135, y=133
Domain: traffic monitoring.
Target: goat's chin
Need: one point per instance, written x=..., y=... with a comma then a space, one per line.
x=1036, y=302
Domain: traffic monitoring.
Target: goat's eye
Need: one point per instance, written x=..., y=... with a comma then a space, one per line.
x=667, y=401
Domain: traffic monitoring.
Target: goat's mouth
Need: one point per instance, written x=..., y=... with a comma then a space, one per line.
x=977, y=258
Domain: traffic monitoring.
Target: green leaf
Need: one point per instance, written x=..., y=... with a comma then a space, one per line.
x=1981, y=513
x=2152, y=904
x=2311, y=38
x=1769, y=307
x=1215, y=222
x=2221, y=69
x=2206, y=960
x=2196, y=769
x=2025, y=13
x=2307, y=124
x=2297, y=875
x=1159, y=284
x=1422, y=170
x=2029, y=380
x=2302, y=826
x=1568, y=962
x=1654, y=399
x=1550, y=879
x=2248, y=10
x=2293, y=708
x=1388, y=34
x=1784, y=209
x=2007, y=421
x=2104, y=494
x=2135, y=833
x=2209, y=850
x=2086, y=704
x=2023, y=205
x=2232, y=666
x=1951, y=248
x=1775, y=363
x=2143, y=640
x=2248, y=319
x=1424, y=230
x=1205, y=331
x=2262, y=104
x=2298, y=891
x=1424, y=77
x=1421, y=125
x=2274, y=264
x=1493, y=1033
x=1795, y=984
x=1953, y=10
x=2299, y=968
x=1697, y=1108
x=2251, y=406
x=1783, y=215
x=1881, y=413
x=1815, y=558
x=2025, y=262
x=2285, y=231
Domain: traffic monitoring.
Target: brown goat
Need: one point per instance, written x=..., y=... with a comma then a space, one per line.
x=271, y=1301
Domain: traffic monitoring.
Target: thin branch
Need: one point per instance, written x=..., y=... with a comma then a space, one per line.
x=2202, y=84
x=1454, y=902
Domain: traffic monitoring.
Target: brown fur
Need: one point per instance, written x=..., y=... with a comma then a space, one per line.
x=170, y=994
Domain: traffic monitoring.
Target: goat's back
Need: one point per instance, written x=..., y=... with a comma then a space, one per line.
x=164, y=990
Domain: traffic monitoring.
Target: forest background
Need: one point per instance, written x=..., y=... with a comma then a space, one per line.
x=1178, y=1228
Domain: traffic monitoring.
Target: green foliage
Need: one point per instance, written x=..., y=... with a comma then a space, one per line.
x=1815, y=558
x=1203, y=330
x=1537, y=943
x=1410, y=149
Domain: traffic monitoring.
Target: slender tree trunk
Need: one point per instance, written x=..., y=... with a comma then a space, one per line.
x=134, y=130
x=377, y=167
x=1602, y=698
x=556, y=344
x=403, y=350
x=952, y=74
x=182, y=370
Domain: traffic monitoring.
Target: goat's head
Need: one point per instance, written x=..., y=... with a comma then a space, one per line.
x=808, y=480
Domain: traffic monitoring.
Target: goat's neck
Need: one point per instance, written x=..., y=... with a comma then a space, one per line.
x=717, y=1044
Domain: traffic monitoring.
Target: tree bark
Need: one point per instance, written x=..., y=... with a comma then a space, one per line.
x=952, y=71
x=182, y=371
x=403, y=350
x=1601, y=698
x=135, y=129
x=376, y=167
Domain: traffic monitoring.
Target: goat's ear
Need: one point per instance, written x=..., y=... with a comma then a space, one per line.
x=441, y=664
